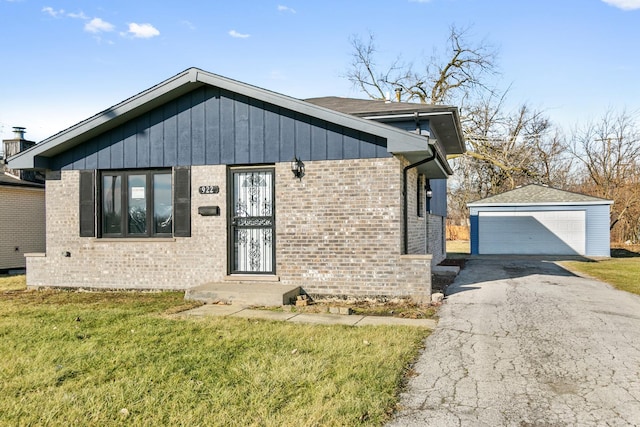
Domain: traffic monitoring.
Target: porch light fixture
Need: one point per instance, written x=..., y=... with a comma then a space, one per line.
x=297, y=167
x=429, y=191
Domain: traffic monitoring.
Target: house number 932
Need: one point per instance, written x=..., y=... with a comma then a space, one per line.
x=209, y=189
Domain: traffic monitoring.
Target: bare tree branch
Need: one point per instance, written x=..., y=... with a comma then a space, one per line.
x=609, y=152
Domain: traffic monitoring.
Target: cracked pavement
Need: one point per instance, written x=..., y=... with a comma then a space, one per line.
x=522, y=342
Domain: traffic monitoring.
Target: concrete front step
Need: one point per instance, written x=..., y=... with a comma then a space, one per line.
x=445, y=270
x=244, y=293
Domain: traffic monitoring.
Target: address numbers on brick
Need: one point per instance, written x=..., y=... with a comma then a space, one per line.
x=208, y=189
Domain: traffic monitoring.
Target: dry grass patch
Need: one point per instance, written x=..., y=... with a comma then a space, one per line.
x=458, y=247
x=12, y=283
x=112, y=358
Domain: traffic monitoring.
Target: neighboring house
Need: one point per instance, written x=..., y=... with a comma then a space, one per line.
x=539, y=220
x=22, y=215
x=206, y=179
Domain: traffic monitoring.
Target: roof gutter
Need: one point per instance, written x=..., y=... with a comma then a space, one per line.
x=405, y=170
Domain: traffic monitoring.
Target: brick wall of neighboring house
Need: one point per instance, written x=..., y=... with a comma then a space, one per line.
x=338, y=231
x=22, y=224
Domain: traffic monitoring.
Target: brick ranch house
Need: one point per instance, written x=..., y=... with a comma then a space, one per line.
x=206, y=179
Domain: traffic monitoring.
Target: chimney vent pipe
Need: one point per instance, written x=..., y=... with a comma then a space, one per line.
x=18, y=132
x=398, y=94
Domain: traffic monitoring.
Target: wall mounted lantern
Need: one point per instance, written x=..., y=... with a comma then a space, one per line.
x=429, y=191
x=297, y=167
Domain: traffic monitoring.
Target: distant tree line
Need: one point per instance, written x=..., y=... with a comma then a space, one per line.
x=509, y=148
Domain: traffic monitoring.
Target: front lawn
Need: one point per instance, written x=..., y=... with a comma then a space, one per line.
x=622, y=272
x=112, y=358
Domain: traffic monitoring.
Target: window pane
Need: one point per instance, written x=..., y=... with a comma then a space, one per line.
x=162, y=206
x=111, y=205
x=137, y=200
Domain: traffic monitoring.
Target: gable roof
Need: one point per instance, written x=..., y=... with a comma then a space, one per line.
x=536, y=194
x=442, y=118
x=414, y=147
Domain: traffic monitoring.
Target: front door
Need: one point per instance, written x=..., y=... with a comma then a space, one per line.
x=252, y=221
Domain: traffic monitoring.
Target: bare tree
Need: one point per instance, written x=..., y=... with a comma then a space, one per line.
x=507, y=149
x=504, y=148
x=609, y=152
x=445, y=77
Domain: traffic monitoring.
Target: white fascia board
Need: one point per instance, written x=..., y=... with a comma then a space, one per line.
x=507, y=205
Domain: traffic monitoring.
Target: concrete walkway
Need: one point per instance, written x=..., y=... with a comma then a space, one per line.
x=522, y=342
x=320, y=319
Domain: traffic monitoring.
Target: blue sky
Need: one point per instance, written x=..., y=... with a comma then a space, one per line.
x=63, y=61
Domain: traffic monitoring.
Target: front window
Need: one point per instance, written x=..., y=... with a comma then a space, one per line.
x=137, y=203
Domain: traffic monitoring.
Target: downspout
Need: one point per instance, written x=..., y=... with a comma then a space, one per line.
x=405, y=248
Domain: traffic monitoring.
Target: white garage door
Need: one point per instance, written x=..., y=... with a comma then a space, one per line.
x=532, y=232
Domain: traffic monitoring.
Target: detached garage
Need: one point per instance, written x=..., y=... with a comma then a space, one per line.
x=539, y=220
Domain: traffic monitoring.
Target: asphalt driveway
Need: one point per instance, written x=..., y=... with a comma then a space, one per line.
x=522, y=342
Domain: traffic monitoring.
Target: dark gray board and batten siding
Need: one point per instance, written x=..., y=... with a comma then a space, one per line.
x=212, y=126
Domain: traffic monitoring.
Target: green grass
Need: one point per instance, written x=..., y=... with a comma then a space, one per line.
x=117, y=358
x=622, y=273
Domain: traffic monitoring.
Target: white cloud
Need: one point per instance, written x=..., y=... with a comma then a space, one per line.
x=143, y=31
x=97, y=25
x=234, y=33
x=52, y=12
x=282, y=8
x=624, y=4
x=79, y=15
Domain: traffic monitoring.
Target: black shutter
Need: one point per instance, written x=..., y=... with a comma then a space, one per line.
x=182, y=201
x=87, y=204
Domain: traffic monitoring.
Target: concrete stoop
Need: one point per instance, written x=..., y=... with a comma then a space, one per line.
x=445, y=270
x=244, y=294
x=441, y=277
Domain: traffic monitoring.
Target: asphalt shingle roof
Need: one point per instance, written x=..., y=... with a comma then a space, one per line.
x=442, y=118
x=535, y=193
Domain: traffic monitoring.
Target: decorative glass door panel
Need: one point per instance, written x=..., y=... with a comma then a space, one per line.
x=252, y=222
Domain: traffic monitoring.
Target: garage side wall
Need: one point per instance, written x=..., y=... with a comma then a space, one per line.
x=598, y=237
